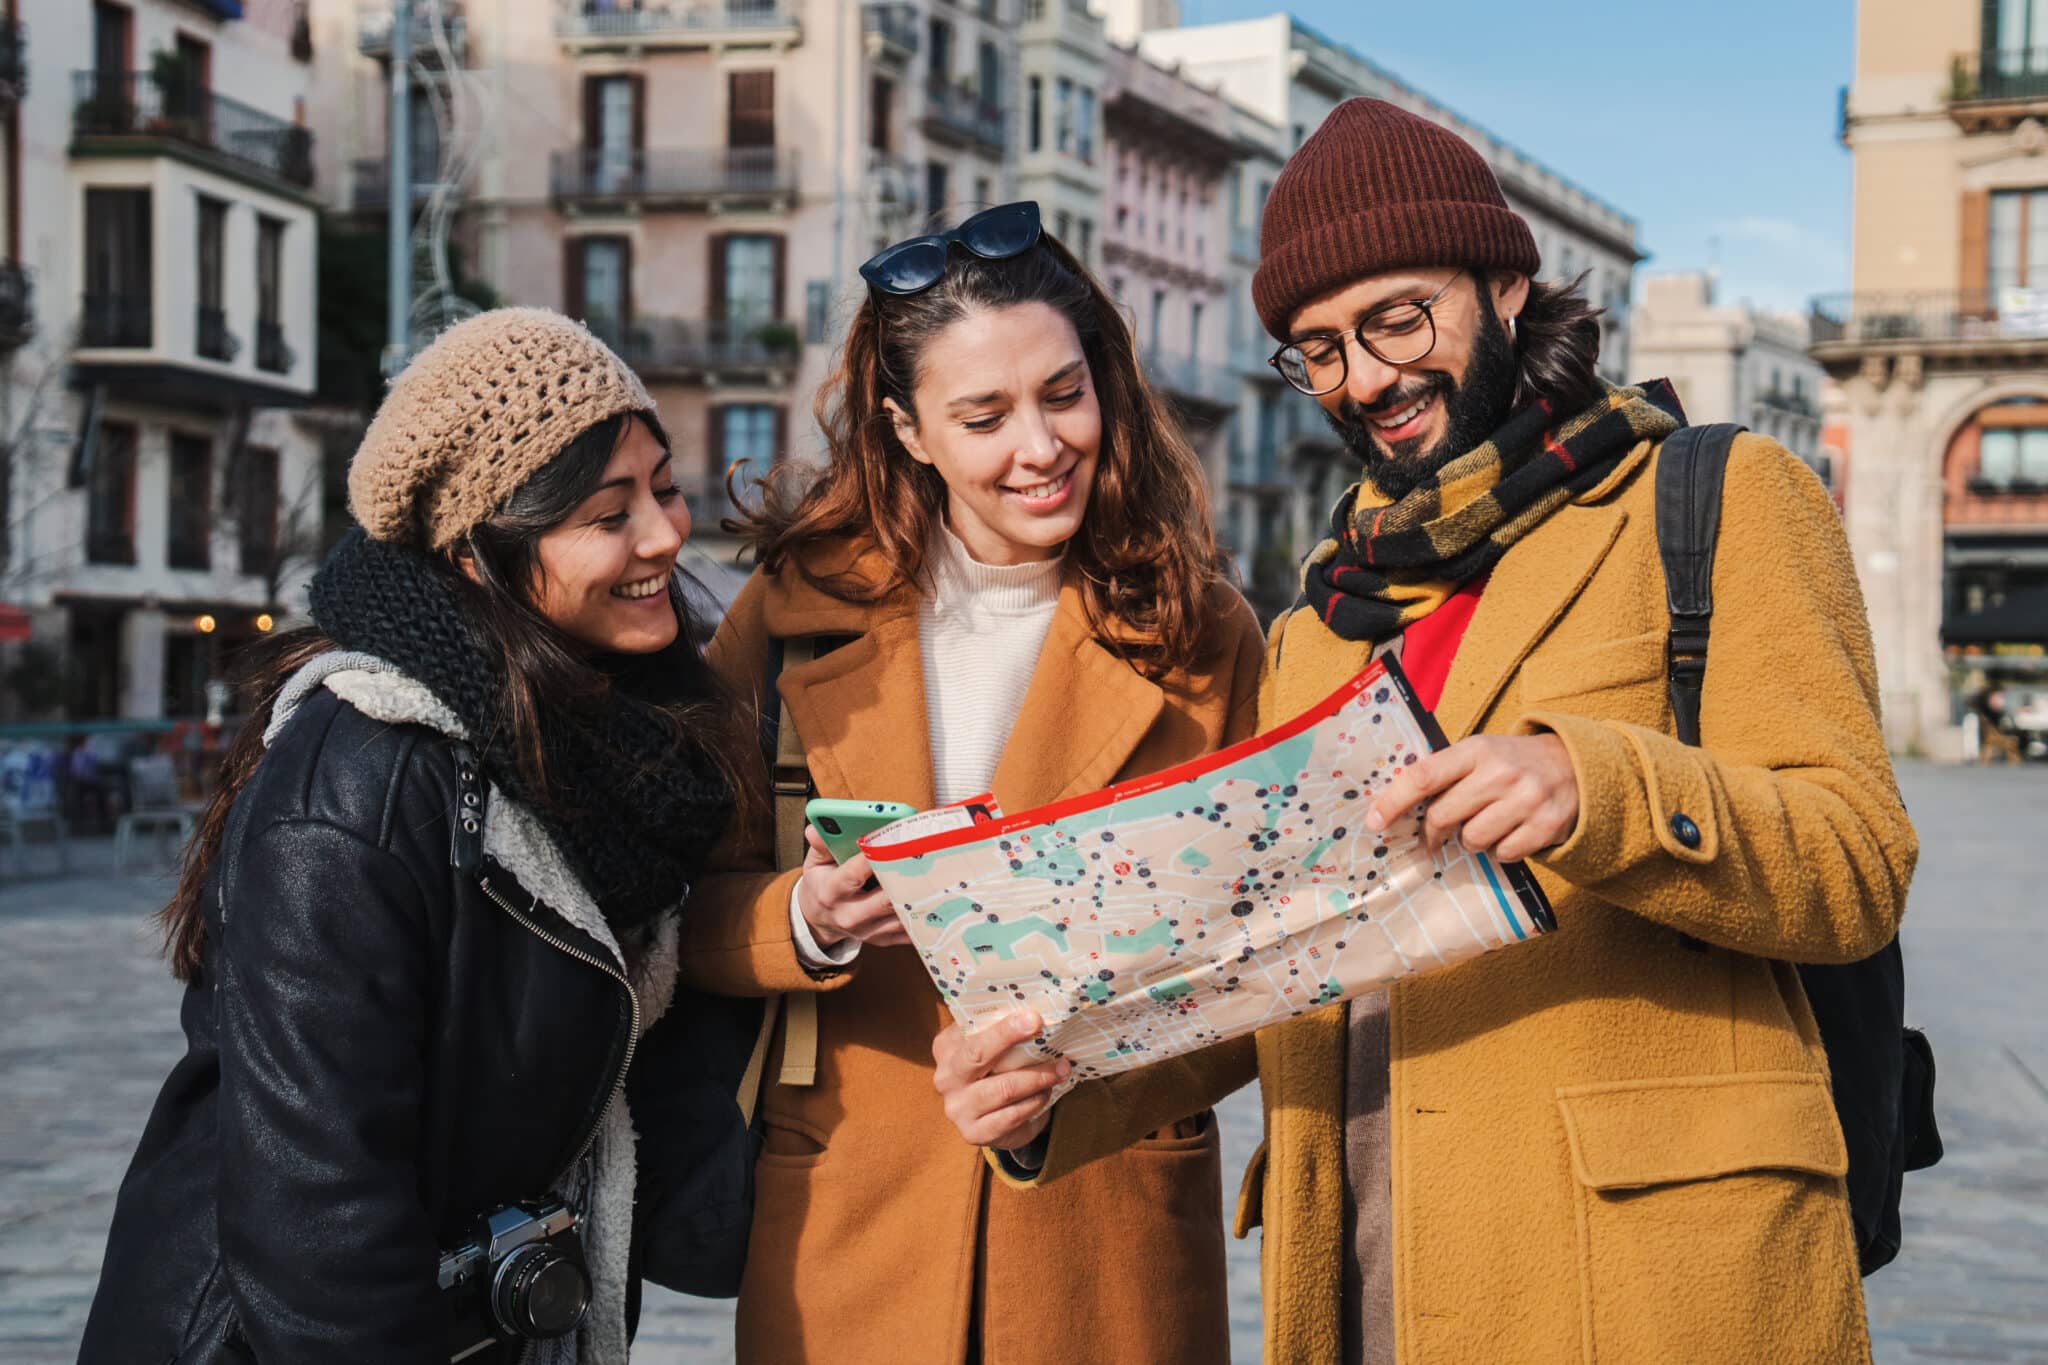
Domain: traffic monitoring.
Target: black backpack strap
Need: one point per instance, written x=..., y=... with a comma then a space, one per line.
x=1690, y=469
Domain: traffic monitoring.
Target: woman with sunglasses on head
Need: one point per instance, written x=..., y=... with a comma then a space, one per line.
x=433, y=902
x=1004, y=581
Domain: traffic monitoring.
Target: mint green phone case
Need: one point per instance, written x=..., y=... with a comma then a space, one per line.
x=843, y=824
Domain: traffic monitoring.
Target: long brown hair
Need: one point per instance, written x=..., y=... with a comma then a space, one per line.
x=542, y=666
x=1146, y=551
x=1557, y=346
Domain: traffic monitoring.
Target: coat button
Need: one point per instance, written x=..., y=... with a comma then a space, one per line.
x=1686, y=831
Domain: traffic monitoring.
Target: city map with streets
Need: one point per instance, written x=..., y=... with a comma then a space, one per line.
x=1220, y=897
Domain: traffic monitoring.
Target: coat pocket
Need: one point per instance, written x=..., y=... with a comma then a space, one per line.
x=1712, y=1223
x=1606, y=669
x=1251, y=1195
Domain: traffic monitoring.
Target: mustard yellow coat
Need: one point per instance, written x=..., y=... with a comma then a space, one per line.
x=878, y=1235
x=1611, y=1144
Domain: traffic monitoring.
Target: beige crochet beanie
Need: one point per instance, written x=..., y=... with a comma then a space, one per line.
x=475, y=414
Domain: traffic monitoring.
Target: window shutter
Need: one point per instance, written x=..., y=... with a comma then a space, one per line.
x=593, y=117
x=625, y=283
x=639, y=87
x=572, y=277
x=715, y=286
x=1975, y=243
x=781, y=451
x=781, y=273
x=714, y=454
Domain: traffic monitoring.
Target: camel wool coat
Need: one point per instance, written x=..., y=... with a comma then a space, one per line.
x=878, y=1234
x=1615, y=1143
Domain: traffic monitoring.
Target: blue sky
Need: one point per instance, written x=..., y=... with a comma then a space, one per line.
x=1714, y=126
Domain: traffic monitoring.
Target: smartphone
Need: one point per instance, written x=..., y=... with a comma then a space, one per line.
x=843, y=824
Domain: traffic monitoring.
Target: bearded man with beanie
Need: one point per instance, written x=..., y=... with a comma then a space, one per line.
x=1616, y=1142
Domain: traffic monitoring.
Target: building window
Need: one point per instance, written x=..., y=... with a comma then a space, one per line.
x=1084, y=127
x=881, y=104
x=750, y=435
x=611, y=131
x=1063, y=115
x=1195, y=328
x=818, y=312
x=2022, y=31
x=990, y=70
x=942, y=52
x=1085, y=248
x=2018, y=246
x=935, y=195
x=984, y=191
x=1152, y=334
x=1035, y=116
x=600, y=285
x=110, y=496
x=2013, y=458
x=271, y=351
x=1063, y=227
x=750, y=285
x=191, y=495
x=750, y=109
x=256, y=511
x=117, y=268
x=214, y=341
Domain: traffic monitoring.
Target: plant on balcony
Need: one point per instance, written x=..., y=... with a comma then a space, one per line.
x=778, y=339
x=180, y=98
x=1962, y=82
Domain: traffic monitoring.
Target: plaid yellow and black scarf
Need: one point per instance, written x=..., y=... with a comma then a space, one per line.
x=1389, y=564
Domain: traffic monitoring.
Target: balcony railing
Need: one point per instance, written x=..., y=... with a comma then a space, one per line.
x=273, y=354
x=370, y=184
x=126, y=104
x=963, y=114
x=893, y=25
x=13, y=61
x=675, y=347
x=115, y=320
x=1191, y=378
x=2011, y=74
x=17, y=306
x=1954, y=317
x=1799, y=404
x=677, y=173
x=375, y=25
x=617, y=25
x=216, y=342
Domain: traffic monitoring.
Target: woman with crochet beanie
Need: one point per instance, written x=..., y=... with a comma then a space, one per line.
x=434, y=902
x=1004, y=580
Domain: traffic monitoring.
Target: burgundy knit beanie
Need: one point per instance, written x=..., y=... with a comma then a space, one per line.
x=1377, y=188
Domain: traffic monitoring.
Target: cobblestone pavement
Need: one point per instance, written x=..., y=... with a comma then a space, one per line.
x=88, y=1027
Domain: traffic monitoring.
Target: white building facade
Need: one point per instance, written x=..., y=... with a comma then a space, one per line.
x=1731, y=362
x=162, y=503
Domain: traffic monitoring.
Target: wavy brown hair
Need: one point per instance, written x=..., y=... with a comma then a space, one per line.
x=1557, y=345
x=1146, y=552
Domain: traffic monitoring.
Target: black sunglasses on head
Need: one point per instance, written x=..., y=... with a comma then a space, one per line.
x=913, y=266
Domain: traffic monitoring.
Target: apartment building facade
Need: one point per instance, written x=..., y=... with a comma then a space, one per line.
x=699, y=183
x=1731, y=362
x=1942, y=350
x=157, y=328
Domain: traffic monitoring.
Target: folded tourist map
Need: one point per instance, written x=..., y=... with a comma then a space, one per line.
x=1177, y=910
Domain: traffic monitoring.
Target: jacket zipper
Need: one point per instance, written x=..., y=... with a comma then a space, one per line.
x=632, y=999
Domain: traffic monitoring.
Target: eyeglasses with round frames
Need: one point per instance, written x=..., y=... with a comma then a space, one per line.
x=1400, y=333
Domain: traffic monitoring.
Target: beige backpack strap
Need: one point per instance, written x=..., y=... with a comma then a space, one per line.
x=792, y=786
x=757, y=1061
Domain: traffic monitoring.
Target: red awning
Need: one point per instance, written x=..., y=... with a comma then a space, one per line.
x=14, y=624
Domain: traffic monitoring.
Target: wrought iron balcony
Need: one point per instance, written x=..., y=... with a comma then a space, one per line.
x=1191, y=379
x=370, y=184
x=891, y=28
x=375, y=25
x=1995, y=89
x=692, y=350
x=611, y=25
x=122, y=107
x=17, y=306
x=1799, y=404
x=960, y=115
x=272, y=351
x=216, y=342
x=13, y=61
x=1949, y=320
x=115, y=321
x=691, y=177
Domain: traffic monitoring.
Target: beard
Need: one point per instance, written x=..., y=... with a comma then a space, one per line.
x=1473, y=411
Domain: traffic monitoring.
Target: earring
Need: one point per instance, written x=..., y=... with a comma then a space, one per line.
x=1511, y=327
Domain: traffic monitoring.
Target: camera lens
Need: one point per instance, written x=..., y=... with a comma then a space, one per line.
x=539, y=1292
x=828, y=825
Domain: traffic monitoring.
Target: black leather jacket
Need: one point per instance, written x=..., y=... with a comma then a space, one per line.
x=378, y=1052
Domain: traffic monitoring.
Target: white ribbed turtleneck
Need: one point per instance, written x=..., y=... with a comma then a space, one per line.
x=981, y=627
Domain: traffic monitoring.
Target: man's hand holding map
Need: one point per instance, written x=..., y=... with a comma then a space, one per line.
x=1170, y=913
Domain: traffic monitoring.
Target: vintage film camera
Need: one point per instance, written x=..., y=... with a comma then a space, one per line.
x=521, y=1278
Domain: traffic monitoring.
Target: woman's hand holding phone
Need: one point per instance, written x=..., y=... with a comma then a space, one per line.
x=842, y=901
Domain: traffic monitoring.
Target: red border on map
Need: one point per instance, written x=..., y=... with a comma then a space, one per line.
x=1137, y=786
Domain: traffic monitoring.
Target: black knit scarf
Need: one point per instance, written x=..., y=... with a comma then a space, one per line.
x=1387, y=564
x=634, y=809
